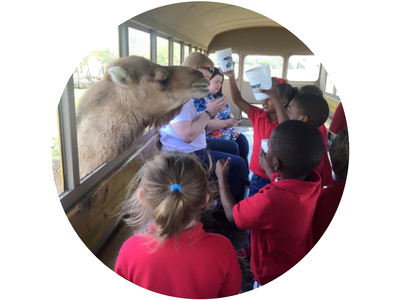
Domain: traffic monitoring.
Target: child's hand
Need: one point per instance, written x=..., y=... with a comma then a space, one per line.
x=230, y=74
x=262, y=159
x=273, y=92
x=222, y=168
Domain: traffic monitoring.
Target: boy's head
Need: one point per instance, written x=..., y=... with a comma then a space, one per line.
x=295, y=149
x=308, y=107
x=311, y=89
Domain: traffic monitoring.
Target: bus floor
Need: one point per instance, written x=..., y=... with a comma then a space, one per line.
x=211, y=223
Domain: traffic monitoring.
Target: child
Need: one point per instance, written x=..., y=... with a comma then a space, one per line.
x=279, y=216
x=264, y=121
x=176, y=257
x=329, y=199
x=310, y=107
x=221, y=127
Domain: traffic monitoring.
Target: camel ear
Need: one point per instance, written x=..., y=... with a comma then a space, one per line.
x=119, y=75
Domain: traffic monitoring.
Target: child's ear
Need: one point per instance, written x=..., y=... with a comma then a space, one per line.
x=304, y=118
x=277, y=164
x=207, y=201
x=140, y=197
x=285, y=101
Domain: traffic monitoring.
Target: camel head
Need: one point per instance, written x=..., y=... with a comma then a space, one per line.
x=159, y=92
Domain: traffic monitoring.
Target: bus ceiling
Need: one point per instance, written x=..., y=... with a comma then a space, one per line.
x=213, y=26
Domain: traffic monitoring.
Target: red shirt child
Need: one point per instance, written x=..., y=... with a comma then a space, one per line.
x=176, y=257
x=327, y=205
x=262, y=128
x=166, y=270
x=330, y=197
x=338, y=122
x=279, y=217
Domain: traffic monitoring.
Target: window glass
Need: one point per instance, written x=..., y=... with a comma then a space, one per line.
x=56, y=157
x=303, y=68
x=329, y=87
x=177, y=54
x=139, y=43
x=162, y=51
x=92, y=68
x=187, y=49
x=275, y=63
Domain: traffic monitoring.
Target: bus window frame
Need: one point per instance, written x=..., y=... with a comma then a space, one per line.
x=75, y=187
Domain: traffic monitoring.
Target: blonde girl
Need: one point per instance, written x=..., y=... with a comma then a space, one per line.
x=176, y=257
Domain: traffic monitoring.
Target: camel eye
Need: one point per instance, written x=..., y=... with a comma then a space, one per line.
x=164, y=82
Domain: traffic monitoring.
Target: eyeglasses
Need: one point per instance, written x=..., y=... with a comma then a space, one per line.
x=209, y=69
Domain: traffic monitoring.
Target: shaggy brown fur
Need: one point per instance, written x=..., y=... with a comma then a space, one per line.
x=133, y=94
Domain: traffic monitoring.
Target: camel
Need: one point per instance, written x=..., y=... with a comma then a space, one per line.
x=134, y=93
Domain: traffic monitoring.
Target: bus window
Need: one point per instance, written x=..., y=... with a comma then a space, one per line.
x=92, y=72
x=329, y=87
x=187, y=51
x=275, y=63
x=235, y=58
x=162, y=51
x=303, y=68
x=139, y=43
x=56, y=157
x=177, y=54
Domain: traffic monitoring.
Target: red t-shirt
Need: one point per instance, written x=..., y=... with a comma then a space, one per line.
x=339, y=120
x=327, y=205
x=262, y=130
x=279, y=217
x=195, y=264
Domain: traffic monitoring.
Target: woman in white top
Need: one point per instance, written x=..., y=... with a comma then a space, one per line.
x=186, y=132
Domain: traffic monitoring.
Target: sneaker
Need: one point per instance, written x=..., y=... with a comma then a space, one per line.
x=244, y=252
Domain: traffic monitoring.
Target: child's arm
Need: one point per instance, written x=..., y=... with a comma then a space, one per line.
x=235, y=93
x=227, y=200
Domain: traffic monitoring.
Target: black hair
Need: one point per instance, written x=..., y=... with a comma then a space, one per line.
x=285, y=89
x=311, y=89
x=298, y=145
x=314, y=106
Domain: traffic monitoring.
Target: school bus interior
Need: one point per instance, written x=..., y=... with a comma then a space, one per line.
x=191, y=26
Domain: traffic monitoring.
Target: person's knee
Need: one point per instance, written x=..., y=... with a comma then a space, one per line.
x=238, y=166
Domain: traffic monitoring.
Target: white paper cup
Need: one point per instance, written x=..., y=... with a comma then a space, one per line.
x=225, y=60
x=264, y=145
x=260, y=78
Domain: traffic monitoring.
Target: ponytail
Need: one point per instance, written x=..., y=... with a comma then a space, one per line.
x=174, y=188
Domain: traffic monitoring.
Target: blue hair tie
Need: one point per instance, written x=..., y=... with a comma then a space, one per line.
x=176, y=187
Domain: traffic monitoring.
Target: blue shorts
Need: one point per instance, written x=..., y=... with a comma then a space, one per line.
x=256, y=184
